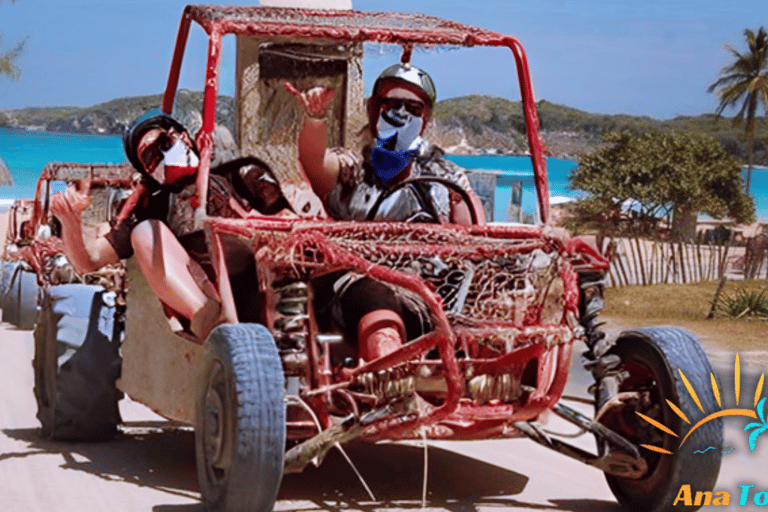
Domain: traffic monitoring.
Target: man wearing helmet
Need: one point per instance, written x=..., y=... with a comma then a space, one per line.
x=156, y=221
x=350, y=183
x=375, y=315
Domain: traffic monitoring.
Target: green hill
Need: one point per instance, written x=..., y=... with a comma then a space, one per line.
x=467, y=124
x=569, y=132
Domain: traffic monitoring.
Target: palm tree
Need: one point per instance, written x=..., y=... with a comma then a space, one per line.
x=744, y=84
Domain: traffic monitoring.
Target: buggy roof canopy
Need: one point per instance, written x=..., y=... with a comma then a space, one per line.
x=342, y=25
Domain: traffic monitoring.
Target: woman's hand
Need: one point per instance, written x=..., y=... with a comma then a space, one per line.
x=315, y=101
x=70, y=205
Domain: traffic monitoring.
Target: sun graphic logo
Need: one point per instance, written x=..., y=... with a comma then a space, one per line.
x=688, y=495
x=756, y=413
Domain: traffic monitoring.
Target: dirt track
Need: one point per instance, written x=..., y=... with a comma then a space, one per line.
x=154, y=470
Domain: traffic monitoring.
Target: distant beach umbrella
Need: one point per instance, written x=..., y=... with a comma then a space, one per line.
x=5, y=174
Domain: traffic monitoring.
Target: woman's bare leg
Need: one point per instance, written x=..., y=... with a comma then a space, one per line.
x=165, y=264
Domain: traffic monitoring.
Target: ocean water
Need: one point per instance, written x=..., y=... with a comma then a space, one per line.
x=513, y=169
x=26, y=153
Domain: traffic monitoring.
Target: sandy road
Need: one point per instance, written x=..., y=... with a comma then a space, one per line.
x=154, y=470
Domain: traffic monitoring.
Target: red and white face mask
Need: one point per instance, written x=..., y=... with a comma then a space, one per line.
x=179, y=162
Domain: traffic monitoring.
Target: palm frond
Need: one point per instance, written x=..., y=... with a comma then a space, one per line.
x=753, y=437
x=5, y=174
x=761, y=403
x=7, y=66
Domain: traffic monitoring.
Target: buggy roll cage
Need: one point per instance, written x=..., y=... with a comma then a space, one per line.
x=341, y=26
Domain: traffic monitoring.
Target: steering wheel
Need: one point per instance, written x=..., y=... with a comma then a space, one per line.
x=425, y=179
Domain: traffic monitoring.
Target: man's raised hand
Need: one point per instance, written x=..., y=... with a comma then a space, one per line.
x=315, y=100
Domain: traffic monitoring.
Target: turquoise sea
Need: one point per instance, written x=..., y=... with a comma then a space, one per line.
x=27, y=152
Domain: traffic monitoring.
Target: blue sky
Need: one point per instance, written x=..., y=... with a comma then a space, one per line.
x=652, y=57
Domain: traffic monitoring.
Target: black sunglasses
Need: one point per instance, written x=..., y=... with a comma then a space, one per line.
x=414, y=107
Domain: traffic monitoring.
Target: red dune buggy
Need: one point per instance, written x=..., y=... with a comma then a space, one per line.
x=273, y=392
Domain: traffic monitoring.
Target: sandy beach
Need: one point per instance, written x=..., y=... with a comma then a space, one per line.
x=153, y=469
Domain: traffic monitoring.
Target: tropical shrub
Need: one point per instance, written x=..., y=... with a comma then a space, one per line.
x=744, y=303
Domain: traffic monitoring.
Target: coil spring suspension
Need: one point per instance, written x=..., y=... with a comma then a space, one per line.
x=484, y=388
x=391, y=383
x=291, y=327
x=602, y=365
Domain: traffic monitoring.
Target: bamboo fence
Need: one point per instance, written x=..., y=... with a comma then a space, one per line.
x=644, y=262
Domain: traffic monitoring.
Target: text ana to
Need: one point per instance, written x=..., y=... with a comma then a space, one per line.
x=687, y=497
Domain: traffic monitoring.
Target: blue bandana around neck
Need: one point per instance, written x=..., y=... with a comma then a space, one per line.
x=388, y=163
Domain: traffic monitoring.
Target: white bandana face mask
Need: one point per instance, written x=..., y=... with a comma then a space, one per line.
x=180, y=161
x=402, y=124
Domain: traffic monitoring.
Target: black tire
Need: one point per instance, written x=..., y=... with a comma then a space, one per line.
x=6, y=274
x=28, y=300
x=76, y=364
x=11, y=297
x=652, y=357
x=240, y=424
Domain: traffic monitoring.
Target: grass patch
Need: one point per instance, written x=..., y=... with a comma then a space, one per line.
x=687, y=306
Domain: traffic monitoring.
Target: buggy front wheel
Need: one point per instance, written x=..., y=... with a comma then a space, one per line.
x=240, y=423
x=653, y=360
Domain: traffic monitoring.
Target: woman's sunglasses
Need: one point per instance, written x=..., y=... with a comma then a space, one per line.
x=152, y=154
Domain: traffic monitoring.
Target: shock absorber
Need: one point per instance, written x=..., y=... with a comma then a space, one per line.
x=597, y=360
x=291, y=327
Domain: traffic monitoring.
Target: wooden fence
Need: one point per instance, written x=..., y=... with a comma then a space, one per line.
x=638, y=261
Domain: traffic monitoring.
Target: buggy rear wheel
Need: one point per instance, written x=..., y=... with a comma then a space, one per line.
x=76, y=364
x=11, y=297
x=240, y=424
x=20, y=299
x=6, y=274
x=28, y=299
x=653, y=359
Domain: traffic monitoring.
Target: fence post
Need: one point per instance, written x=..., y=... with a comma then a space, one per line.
x=634, y=266
x=621, y=264
x=698, y=260
x=641, y=259
x=682, y=263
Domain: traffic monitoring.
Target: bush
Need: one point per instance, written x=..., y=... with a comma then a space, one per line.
x=743, y=303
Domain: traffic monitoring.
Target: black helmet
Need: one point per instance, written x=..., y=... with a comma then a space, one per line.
x=155, y=118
